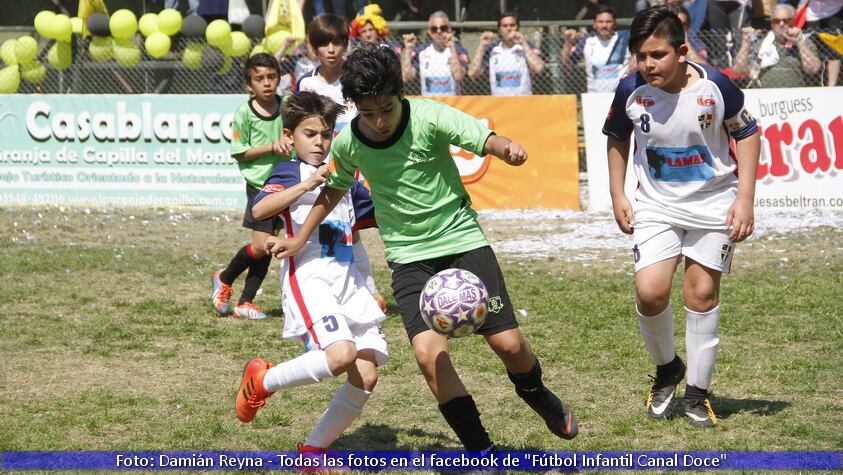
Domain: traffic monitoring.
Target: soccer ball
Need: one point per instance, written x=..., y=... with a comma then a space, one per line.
x=454, y=303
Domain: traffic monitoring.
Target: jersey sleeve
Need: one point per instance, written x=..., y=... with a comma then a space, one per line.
x=738, y=121
x=240, y=132
x=618, y=124
x=342, y=165
x=285, y=175
x=364, y=210
x=461, y=129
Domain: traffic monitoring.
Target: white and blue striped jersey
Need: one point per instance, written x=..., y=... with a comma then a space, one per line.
x=686, y=172
x=327, y=255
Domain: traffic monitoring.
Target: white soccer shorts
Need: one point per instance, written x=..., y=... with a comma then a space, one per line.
x=655, y=242
x=334, y=327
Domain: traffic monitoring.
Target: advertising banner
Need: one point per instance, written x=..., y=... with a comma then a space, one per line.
x=165, y=150
x=801, y=162
x=547, y=128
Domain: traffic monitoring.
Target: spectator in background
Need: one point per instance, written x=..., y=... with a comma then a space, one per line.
x=726, y=16
x=440, y=64
x=511, y=61
x=696, y=48
x=826, y=15
x=371, y=27
x=339, y=6
x=605, y=52
x=784, y=58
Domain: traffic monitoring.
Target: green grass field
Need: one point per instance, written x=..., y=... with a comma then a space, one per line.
x=108, y=342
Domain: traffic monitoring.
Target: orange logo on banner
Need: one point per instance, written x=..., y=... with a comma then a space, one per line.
x=546, y=126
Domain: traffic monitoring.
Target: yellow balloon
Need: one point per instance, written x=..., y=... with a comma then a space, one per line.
x=9, y=79
x=101, y=48
x=157, y=44
x=169, y=21
x=240, y=44
x=25, y=49
x=192, y=56
x=257, y=49
x=7, y=52
x=61, y=27
x=148, y=24
x=123, y=24
x=43, y=23
x=218, y=34
x=60, y=56
x=33, y=72
x=126, y=53
x=77, y=25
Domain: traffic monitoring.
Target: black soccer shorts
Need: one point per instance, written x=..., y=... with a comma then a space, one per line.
x=409, y=279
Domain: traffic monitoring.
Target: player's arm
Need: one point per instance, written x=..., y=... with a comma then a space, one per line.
x=274, y=203
x=508, y=151
x=327, y=201
x=476, y=66
x=618, y=154
x=741, y=216
x=457, y=68
x=408, y=71
x=280, y=146
x=535, y=64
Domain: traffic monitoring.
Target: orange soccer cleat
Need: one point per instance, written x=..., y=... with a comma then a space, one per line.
x=252, y=395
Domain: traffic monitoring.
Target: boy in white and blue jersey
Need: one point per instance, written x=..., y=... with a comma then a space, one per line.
x=326, y=301
x=694, y=199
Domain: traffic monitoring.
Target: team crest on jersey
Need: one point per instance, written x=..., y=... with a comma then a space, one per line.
x=495, y=304
x=418, y=157
x=645, y=101
x=705, y=120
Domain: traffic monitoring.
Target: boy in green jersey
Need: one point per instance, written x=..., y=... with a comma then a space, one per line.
x=257, y=145
x=427, y=224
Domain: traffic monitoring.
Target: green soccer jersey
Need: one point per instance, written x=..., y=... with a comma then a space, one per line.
x=422, y=208
x=250, y=130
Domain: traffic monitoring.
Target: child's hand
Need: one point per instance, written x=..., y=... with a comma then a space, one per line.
x=284, y=247
x=410, y=41
x=270, y=241
x=623, y=214
x=284, y=146
x=514, y=154
x=740, y=220
x=319, y=177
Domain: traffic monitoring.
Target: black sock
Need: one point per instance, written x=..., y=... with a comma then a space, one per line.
x=462, y=415
x=667, y=369
x=239, y=263
x=528, y=386
x=693, y=392
x=254, y=279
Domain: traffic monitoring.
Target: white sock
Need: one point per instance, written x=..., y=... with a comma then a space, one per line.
x=361, y=263
x=346, y=406
x=701, y=341
x=308, y=368
x=657, y=332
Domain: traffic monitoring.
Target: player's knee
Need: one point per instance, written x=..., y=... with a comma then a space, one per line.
x=370, y=379
x=700, y=298
x=512, y=347
x=651, y=301
x=341, y=355
x=258, y=250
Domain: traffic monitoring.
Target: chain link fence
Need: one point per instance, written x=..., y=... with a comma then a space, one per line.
x=170, y=75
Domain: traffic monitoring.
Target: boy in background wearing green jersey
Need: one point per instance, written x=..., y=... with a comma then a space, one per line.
x=427, y=224
x=257, y=145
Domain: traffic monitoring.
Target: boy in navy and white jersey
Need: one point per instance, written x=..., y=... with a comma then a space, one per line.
x=694, y=198
x=326, y=301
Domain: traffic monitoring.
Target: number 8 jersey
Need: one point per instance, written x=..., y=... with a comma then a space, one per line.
x=686, y=171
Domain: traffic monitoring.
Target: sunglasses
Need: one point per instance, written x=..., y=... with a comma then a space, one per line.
x=440, y=29
x=781, y=21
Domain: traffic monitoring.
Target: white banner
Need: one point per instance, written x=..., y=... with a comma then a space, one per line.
x=801, y=162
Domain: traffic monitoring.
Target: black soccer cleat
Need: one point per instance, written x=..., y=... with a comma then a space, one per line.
x=556, y=414
x=699, y=413
x=660, y=399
